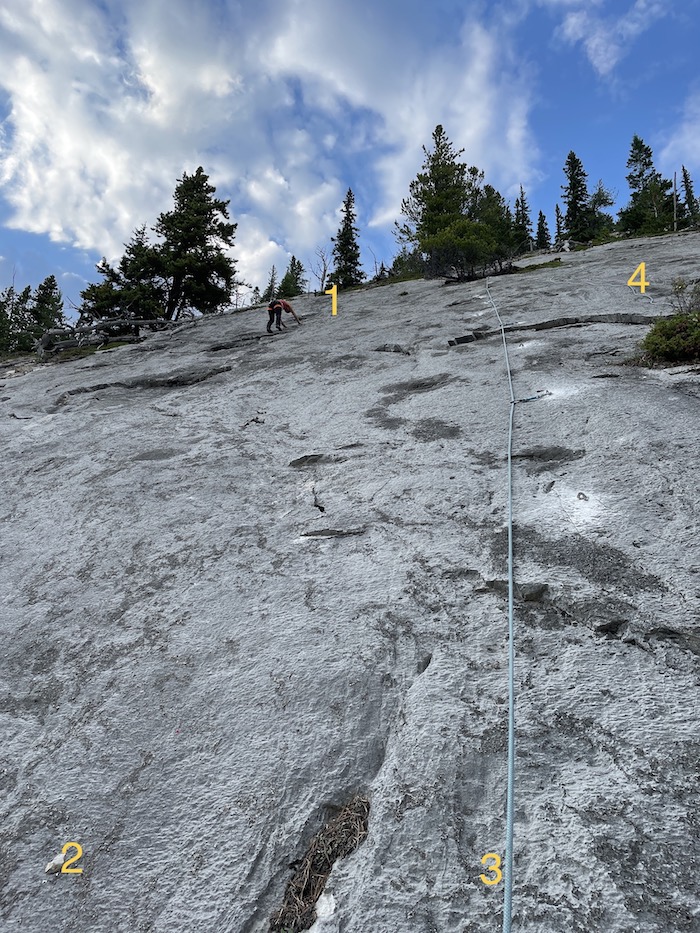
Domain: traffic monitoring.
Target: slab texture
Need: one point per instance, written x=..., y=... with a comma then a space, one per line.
x=244, y=580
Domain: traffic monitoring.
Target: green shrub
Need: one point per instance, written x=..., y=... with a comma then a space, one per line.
x=677, y=339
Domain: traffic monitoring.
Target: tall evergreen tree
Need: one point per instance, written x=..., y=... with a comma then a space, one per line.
x=543, y=239
x=134, y=288
x=5, y=327
x=26, y=315
x=15, y=320
x=651, y=204
x=192, y=262
x=496, y=217
x=692, y=205
x=438, y=197
x=600, y=223
x=522, y=229
x=346, y=251
x=575, y=196
x=271, y=289
x=188, y=268
x=47, y=305
x=293, y=281
x=451, y=219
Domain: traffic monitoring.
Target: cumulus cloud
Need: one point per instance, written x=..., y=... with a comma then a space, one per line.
x=285, y=105
x=683, y=147
x=606, y=40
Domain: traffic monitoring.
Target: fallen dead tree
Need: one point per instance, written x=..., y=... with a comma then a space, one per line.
x=96, y=334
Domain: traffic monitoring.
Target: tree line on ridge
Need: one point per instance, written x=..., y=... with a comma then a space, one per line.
x=452, y=223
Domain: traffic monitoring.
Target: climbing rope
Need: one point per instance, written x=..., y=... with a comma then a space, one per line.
x=508, y=862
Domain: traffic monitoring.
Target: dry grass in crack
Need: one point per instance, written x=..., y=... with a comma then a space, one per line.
x=338, y=838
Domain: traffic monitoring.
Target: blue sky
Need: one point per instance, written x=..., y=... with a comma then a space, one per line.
x=287, y=103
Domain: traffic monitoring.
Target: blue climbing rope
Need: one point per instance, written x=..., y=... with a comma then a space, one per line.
x=508, y=862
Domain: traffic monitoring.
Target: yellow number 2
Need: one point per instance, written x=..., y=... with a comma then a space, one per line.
x=65, y=870
x=640, y=282
x=495, y=868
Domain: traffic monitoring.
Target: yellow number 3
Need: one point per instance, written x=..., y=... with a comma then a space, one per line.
x=495, y=868
x=65, y=869
x=641, y=283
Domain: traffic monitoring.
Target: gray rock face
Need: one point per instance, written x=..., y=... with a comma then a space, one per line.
x=246, y=580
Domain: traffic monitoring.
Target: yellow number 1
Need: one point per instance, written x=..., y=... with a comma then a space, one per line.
x=641, y=282
x=334, y=300
x=495, y=868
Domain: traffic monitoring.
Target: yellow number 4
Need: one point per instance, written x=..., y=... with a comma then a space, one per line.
x=495, y=868
x=640, y=282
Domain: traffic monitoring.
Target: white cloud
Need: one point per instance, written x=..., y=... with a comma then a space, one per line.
x=683, y=147
x=282, y=104
x=607, y=40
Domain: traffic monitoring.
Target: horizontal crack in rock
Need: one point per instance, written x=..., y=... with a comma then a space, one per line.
x=392, y=348
x=616, y=318
x=333, y=533
x=187, y=377
x=312, y=460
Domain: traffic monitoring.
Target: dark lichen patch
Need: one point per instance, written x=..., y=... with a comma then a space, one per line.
x=433, y=429
x=600, y=563
x=550, y=454
x=383, y=420
x=538, y=459
x=338, y=838
x=401, y=390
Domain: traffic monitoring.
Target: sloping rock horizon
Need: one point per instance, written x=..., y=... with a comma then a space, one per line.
x=247, y=579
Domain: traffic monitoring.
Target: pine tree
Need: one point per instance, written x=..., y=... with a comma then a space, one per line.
x=651, y=204
x=16, y=320
x=452, y=219
x=577, y=220
x=692, y=205
x=188, y=268
x=271, y=290
x=641, y=165
x=134, y=288
x=496, y=218
x=256, y=297
x=543, y=240
x=522, y=229
x=438, y=197
x=5, y=328
x=47, y=305
x=346, y=251
x=601, y=224
x=559, y=220
x=192, y=262
x=293, y=281
x=408, y=263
